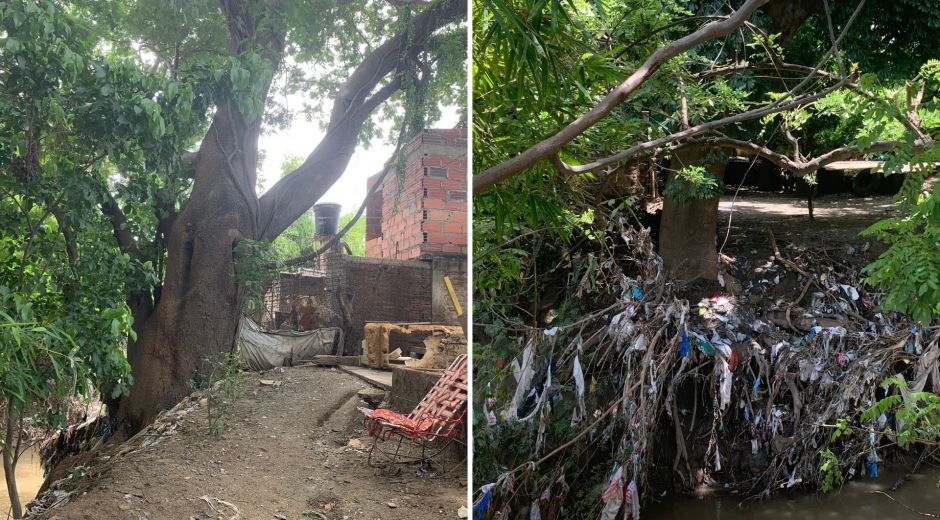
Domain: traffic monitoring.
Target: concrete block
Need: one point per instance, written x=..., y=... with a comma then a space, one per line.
x=409, y=386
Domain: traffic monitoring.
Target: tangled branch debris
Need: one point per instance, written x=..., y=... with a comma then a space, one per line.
x=738, y=392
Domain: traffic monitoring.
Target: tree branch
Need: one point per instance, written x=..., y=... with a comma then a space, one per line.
x=376, y=188
x=296, y=192
x=911, y=120
x=549, y=147
x=804, y=167
x=648, y=146
x=71, y=246
x=119, y=225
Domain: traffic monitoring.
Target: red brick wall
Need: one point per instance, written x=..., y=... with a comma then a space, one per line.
x=422, y=213
x=401, y=217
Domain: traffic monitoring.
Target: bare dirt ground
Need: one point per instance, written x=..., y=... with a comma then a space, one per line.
x=283, y=454
x=838, y=220
x=831, y=237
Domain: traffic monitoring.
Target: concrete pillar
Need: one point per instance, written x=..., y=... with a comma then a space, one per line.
x=688, y=231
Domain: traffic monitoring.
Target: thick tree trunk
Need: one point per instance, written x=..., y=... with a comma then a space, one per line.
x=688, y=231
x=197, y=315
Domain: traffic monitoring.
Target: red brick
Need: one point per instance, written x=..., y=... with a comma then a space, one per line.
x=438, y=214
x=413, y=203
x=437, y=238
x=456, y=238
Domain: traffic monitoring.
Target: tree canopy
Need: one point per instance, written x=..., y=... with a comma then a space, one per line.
x=566, y=92
x=128, y=126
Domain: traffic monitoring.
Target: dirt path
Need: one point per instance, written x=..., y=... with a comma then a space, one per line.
x=282, y=455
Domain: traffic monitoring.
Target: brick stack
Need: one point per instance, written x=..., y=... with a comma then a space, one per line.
x=423, y=210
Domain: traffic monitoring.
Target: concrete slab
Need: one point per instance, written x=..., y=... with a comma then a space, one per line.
x=378, y=378
x=409, y=386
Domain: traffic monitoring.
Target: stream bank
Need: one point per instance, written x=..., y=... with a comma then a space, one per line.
x=645, y=388
x=293, y=446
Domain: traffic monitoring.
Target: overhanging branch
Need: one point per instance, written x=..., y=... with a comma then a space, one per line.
x=550, y=146
x=805, y=167
x=359, y=96
x=696, y=130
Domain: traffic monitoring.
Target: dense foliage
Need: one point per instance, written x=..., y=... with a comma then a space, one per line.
x=102, y=104
x=539, y=65
x=539, y=235
x=77, y=131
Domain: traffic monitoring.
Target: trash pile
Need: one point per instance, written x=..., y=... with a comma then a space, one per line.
x=88, y=438
x=739, y=392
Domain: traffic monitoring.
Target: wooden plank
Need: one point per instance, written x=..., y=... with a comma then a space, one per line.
x=453, y=296
x=335, y=360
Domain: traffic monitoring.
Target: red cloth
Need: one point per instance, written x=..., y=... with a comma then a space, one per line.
x=734, y=360
x=403, y=421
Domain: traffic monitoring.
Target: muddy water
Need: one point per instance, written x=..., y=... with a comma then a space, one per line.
x=28, y=479
x=855, y=500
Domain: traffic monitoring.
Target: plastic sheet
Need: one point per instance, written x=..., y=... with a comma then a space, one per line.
x=264, y=350
x=684, y=343
x=483, y=503
x=579, y=411
x=524, y=379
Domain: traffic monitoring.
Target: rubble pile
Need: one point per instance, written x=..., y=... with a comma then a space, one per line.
x=739, y=391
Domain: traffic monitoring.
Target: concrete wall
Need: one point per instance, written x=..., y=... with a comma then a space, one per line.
x=409, y=386
x=442, y=308
x=349, y=291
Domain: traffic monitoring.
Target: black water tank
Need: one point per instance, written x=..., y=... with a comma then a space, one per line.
x=326, y=216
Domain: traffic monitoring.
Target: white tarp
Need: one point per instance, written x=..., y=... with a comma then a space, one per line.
x=264, y=350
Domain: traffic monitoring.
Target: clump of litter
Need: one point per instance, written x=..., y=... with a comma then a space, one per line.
x=768, y=375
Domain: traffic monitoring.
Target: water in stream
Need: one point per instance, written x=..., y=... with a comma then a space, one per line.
x=28, y=479
x=855, y=500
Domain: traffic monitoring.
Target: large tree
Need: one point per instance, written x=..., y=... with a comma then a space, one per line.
x=200, y=303
x=166, y=102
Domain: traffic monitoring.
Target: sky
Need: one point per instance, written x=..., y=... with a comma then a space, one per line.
x=302, y=136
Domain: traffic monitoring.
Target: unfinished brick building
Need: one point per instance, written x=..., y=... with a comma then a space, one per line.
x=416, y=235
x=423, y=210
